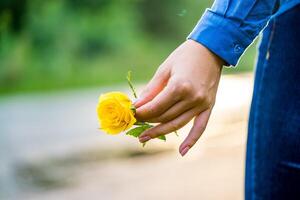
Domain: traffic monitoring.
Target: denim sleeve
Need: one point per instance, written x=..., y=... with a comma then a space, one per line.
x=230, y=26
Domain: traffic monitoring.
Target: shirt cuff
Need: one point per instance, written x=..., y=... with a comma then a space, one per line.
x=222, y=36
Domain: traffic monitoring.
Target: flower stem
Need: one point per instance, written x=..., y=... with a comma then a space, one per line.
x=130, y=84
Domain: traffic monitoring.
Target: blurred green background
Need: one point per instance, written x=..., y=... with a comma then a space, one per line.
x=61, y=44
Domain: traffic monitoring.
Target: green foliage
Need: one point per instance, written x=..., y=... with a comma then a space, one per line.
x=162, y=137
x=62, y=44
x=137, y=131
x=141, y=127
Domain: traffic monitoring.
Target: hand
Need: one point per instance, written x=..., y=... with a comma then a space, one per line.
x=183, y=87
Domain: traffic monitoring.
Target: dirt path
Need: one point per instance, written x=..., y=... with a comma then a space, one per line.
x=48, y=129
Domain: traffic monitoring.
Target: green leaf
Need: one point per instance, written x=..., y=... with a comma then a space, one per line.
x=141, y=127
x=136, y=132
x=147, y=126
x=162, y=137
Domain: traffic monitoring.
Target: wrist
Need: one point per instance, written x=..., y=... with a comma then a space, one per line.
x=217, y=59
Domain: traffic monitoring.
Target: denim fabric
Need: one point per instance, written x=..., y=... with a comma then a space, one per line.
x=230, y=26
x=273, y=148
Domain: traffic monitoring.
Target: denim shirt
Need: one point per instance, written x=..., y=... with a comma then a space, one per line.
x=230, y=26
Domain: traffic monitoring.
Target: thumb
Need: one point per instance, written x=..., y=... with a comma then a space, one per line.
x=154, y=87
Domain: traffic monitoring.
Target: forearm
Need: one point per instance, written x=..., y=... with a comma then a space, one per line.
x=229, y=27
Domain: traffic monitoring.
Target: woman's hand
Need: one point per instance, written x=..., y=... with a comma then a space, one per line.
x=183, y=87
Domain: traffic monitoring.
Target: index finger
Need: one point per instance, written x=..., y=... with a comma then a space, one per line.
x=159, y=104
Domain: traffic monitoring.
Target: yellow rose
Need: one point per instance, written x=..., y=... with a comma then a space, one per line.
x=114, y=112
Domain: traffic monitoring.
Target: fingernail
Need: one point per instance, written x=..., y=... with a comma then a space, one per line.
x=144, y=139
x=184, y=151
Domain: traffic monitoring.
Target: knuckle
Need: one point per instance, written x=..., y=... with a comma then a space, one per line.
x=185, y=87
x=154, y=120
x=166, y=117
x=201, y=127
x=145, y=91
x=153, y=109
x=144, y=115
x=152, y=134
x=193, y=141
x=171, y=86
x=173, y=89
x=163, y=69
x=174, y=125
x=201, y=97
x=161, y=119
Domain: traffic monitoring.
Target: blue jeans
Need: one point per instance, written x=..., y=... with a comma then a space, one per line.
x=273, y=148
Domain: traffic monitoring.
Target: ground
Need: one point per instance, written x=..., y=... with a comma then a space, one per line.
x=53, y=150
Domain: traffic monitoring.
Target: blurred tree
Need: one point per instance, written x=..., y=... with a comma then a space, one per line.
x=89, y=5
x=16, y=10
x=71, y=43
x=159, y=18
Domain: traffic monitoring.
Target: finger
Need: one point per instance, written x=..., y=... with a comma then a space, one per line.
x=165, y=128
x=155, y=86
x=173, y=112
x=198, y=128
x=161, y=103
